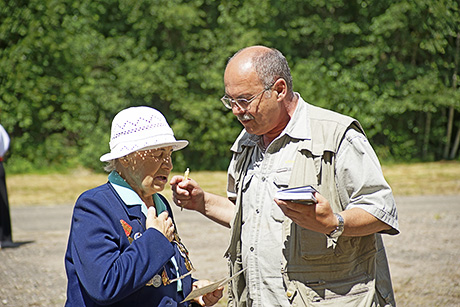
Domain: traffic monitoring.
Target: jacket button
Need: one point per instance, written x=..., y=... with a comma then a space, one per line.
x=289, y=294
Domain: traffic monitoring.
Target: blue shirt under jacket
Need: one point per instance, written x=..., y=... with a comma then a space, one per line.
x=105, y=269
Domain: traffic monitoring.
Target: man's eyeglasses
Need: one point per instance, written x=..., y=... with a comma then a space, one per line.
x=242, y=103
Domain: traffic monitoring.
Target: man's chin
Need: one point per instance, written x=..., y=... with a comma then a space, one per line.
x=248, y=125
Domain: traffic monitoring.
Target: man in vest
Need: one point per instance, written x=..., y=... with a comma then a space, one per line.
x=326, y=254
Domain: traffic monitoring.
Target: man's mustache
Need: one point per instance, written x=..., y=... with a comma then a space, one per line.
x=245, y=117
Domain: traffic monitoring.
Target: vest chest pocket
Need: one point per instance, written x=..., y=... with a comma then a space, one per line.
x=313, y=245
x=307, y=169
x=352, y=291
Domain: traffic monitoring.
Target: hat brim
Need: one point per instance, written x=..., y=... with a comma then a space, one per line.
x=176, y=145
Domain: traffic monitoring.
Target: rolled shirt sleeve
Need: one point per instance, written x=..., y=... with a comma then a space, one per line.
x=360, y=180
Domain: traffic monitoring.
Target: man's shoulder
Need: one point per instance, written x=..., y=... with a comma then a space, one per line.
x=319, y=115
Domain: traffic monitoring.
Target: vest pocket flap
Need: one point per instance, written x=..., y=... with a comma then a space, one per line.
x=307, y=169
x=281, y=178
x=315, y=148
x=313, y=245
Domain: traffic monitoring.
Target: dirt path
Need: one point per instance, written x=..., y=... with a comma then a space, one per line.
x=424, y=258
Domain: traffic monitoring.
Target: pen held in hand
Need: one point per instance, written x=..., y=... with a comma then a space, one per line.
x=187, y=172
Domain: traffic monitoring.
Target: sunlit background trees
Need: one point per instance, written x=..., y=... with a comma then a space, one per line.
x=67, y=67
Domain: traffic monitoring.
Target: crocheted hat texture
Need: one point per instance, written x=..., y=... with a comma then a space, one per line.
x=140, y=128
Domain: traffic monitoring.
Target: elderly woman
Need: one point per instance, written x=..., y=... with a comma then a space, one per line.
x=123, y=248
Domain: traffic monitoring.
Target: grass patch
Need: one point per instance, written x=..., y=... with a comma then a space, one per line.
x=433, y=178
x=437, y=178
x=64, y=188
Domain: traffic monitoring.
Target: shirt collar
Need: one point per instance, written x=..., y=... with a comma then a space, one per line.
x=129, y=197
x=299, y=126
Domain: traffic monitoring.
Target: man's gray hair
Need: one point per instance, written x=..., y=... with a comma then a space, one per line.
x=270, y=65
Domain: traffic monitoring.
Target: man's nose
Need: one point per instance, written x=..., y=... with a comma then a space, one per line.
x=237, y=110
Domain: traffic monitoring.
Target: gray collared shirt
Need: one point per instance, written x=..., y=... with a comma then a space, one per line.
x=357, y=171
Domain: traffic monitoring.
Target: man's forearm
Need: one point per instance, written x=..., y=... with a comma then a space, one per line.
x=218, y=208
x=361, y=223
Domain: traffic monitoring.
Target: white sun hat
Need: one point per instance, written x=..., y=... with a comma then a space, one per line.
x=140, y=128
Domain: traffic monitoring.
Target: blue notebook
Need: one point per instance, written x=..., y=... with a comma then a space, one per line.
x=302, y=195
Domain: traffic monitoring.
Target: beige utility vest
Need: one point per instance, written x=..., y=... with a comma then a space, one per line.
x=318, y=271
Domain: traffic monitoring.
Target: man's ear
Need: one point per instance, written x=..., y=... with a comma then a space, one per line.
x=280, y=88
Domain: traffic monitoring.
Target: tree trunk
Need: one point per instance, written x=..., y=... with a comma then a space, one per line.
x=450, y=123
x=426, y=138
x=453, y=153
x=450, y=120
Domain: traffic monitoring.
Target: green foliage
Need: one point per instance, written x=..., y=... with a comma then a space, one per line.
x=67, y=67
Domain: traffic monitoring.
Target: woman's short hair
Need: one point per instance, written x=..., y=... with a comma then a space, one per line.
x=111, y=165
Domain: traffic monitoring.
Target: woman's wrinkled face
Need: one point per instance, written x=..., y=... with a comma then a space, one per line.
x=149, y=169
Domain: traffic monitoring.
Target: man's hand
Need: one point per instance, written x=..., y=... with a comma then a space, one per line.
x=187, y=194
x=209, y=299
x=320, y=218
x=163, y=223
x=317, y=217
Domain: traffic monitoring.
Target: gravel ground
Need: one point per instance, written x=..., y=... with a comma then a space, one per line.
x=424, y=258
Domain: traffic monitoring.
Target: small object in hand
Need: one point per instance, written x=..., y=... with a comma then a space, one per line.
x=302, y=195
x=187, y=172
